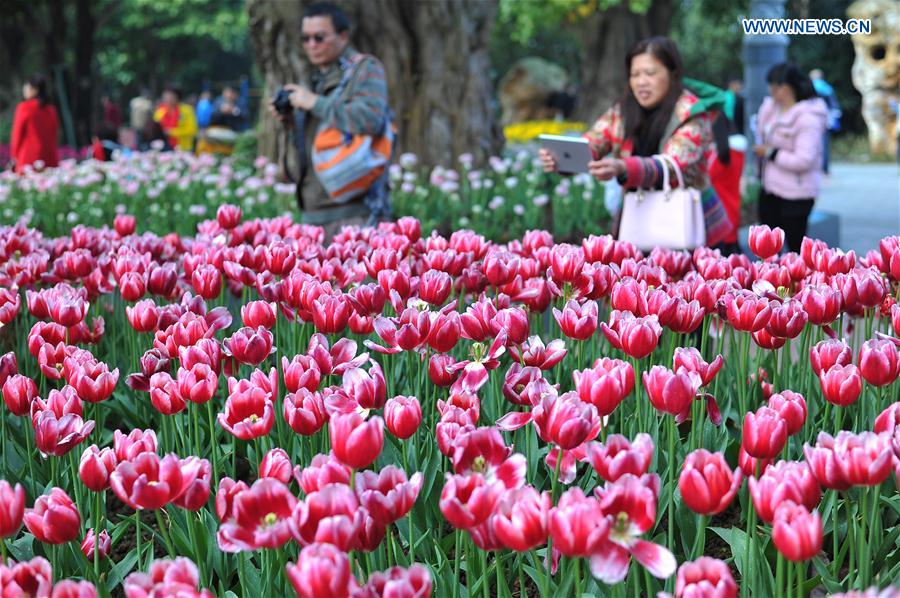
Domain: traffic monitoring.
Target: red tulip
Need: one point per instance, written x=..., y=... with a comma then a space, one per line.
x=164, y=394
x=797, y=532
x=69, y=588
x=766, y=242
x=888, y=420
x=791, y=406
x=402, y=415
x=207, y=281
x=18, y=393
x=356, y=442
x=301, y=371
x=367, y=388
x=10, y=304
x=196, y=474
x=514, y=322
x=148, y=482
x=12, y=508
x=54, y=435
x=521, y=519
x=92, y=380
x=764, y=433
x=578, y=525
x=629, y=295
x=228, y=490
x=67, y=310
x=54, y=518
x=250, y=346
x=259, y=313
x=396, y=581
x=322, y=470
x=821, y=303
x=630, y=503
x=445, y=332
x=249, y=411
x=228, y=216
x=751, y=465
x=304, y=411
x=825, y=354
x=706, y=482
x=841, y=384
x=434, y=287
x=440, y=372
x=133, y=285
x=515, y=382
x=500, y=268
x=260, y=518
x=198, y=384
x=388, y=495
x=566, y=264
x=786, y=480
x=533, y=353
x=124, y=224
x=96, y=466
x=322, y=570
x=332, y=515
x=136, y=442
x=468, y=500
x=671, y=392
x=746, y=311
x=690, y=359
x=787, y=320
x=276, y=464
x=705, y=577
x=32, y=578
x=565, y=420
x=87, y=545
x=879, y=362
x=331, y=313
x=605, y=385
x=177, y=577
x=636, y=337
x=577, y=321
x=617, y=456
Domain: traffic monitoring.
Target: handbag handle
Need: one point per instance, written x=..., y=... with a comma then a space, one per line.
x=666, y=159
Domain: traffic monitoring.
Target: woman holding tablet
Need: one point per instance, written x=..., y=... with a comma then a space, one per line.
x=655, y=115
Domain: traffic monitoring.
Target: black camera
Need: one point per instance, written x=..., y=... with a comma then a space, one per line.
x=282, y=102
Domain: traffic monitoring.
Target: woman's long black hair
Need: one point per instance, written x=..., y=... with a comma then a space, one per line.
x=787, y=73
x=40, y=84
x=646, y=127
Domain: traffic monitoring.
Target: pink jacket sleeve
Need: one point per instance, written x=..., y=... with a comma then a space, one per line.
x=807, y=143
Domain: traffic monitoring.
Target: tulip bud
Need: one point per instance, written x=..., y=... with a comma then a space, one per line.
x=54, y=518
x=356, y=442
x=797, y=532
x=764, y=433
x=402, y=415
x=766, y=242
x=706, y=482
x=87, y=545
x=841, y=384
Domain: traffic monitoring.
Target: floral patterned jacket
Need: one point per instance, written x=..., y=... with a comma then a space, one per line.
x=687, y=139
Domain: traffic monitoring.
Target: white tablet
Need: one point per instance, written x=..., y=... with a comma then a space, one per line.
x=572, y=153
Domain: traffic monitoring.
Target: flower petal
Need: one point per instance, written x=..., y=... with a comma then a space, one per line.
x=611, y=565
x=658, y=560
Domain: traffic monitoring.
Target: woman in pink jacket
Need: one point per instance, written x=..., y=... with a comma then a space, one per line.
x=790, y=128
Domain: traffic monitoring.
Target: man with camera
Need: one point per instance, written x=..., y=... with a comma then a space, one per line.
x=341, y=126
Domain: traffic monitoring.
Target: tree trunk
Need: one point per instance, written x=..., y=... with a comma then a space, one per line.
x=82, y=98
x=606, y=38
x=436, y=58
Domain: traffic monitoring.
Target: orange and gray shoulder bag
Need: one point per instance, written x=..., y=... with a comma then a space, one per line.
x=348, y=165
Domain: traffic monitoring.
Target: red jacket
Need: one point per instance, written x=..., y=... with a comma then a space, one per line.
x=34, y=134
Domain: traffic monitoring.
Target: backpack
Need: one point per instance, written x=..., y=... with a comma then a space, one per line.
x=347, y=165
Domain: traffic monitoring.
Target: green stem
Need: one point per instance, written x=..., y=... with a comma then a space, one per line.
x=670, y=509
x=700, y=544
x=98, y=498
x=577, y=562
x=137, y=535
x=163, y=530
x=456, y=560
x=779, y=576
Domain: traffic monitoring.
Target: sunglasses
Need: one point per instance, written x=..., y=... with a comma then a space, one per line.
x=318, y=37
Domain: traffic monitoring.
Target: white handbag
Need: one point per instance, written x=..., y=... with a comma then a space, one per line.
x=671, y=218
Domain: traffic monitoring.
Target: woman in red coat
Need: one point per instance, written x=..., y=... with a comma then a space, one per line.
x=35, y=127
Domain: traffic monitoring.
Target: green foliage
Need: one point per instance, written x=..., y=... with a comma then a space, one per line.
x=529, y=16
x=149, y=43
x=704, y=29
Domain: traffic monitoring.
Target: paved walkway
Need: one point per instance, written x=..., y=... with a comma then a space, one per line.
x=866, y=197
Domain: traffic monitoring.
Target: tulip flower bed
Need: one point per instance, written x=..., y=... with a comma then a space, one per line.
x=174, y=192
x=250, y=412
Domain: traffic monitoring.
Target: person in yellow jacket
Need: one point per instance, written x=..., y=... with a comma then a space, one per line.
x=177, y=119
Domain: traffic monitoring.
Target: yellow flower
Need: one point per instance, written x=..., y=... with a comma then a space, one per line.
x=524, y=132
